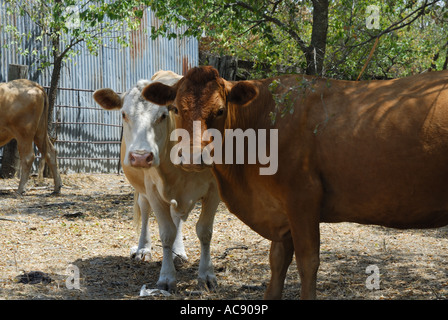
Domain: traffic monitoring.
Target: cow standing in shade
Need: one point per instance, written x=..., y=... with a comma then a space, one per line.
x=170, y=191
x=24, y=117
x=370, y=152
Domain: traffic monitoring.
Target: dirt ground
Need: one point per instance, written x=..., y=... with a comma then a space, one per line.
x=90, y=226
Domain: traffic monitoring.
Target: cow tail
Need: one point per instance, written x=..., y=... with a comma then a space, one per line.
x=137, y=213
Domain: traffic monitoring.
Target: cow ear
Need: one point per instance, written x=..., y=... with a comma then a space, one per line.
x=108, y=99
x=242, y=93
x=160, y=93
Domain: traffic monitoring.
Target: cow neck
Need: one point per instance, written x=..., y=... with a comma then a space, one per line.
x=254, y=116
x=166, y=167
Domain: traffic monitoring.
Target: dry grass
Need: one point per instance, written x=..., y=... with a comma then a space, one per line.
x=37, y=233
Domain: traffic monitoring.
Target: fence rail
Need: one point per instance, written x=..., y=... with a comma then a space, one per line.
x=86, y=123
x=88, y=137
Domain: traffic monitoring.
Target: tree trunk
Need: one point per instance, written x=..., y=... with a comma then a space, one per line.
x=10, y=159
x=315, y=53
x=52, y=95
x=54, y=83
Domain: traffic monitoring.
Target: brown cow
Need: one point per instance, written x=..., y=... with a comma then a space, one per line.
x=24, y=117
x=372, y=152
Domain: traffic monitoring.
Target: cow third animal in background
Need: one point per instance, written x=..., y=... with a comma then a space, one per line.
x=370, y=152
x=24, y=117
x=170, y=191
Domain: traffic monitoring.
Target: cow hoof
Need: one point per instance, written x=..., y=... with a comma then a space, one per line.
x=141, y=255
x=167, y=285
x=209, y=283
x=19, y=193
x=56, y=192
x=179, y=260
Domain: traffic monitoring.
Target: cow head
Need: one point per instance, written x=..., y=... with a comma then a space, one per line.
x=145, y=125
x=201, y=101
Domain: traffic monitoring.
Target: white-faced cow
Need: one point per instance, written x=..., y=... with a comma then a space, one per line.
x=370, y=152
x=170, y=191
x=24, y=117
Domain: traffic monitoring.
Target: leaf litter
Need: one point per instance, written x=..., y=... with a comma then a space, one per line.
x=90, y=226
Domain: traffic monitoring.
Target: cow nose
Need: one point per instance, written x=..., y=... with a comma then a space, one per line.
x=142, y=160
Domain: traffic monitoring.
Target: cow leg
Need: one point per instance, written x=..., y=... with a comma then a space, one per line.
x=179, y=253
x=40, y=170
x=49, y=154
x=280, y=258
x=307, y=258
x=167, y=232
x=204, y=231
x=304, y=222
x=26, y=154
x=143, y=250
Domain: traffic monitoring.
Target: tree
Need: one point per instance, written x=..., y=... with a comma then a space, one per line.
x=263, y=18
x=410, y=35
x=321, y=37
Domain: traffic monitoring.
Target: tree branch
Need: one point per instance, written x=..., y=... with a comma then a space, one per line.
x=276, y=21
x=397, y=25
x=257, y=23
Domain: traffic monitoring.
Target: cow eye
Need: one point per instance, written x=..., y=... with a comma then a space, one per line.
x=220, y=112
x=163, y=117
x=173, y=108
x=123, y=115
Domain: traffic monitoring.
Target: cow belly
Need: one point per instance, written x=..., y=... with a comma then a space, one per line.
x=270, y=224
x=397, y=204
x=397, y=180
x=404, y=219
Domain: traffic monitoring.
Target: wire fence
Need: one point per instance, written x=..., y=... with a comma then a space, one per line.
x=87, y=137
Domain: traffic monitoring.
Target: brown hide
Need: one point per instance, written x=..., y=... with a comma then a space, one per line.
x=23, y=116
x=372, y=152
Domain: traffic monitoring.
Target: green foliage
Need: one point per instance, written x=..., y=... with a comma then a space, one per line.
x=408, y=50
x=64, y=24
x=266, y=32
x=273, y=34
x=285, y=97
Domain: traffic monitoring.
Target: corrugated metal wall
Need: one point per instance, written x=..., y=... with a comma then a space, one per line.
x=79, y=119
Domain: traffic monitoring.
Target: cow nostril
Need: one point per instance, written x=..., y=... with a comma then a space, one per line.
x=140, y=159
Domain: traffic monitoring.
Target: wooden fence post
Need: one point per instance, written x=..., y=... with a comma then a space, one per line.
x=227, y=66
x=10, y=159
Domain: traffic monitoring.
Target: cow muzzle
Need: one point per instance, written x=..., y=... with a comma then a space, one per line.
x=194, y=167
x=191, y=160
x=141, y=159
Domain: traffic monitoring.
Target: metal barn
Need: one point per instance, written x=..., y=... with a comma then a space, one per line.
x=88, y=137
